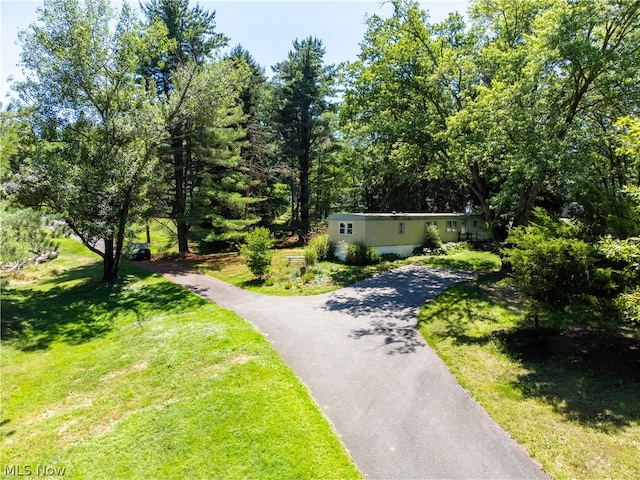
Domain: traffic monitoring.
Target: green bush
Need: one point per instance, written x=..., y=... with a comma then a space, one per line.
x=390, y=257
x=550, y=264
x=432, y=241
x=361, y=254
x=629, y=306
x=319, y=249
x=451, y=248
x=555, y=268
x=257, y=251
x=310, y=255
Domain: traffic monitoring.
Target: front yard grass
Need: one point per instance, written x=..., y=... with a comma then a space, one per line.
x=298, y=279
x=568, y=394
x=143, y=379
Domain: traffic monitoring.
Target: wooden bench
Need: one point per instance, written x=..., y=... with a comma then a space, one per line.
x=296, y=259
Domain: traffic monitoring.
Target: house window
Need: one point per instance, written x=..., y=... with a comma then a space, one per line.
x=475, y=223
x=346, y=228
x=452, y=225
x=431, y=224
x=401, y=228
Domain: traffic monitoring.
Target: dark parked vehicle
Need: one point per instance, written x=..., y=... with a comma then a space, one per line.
x=140, y=252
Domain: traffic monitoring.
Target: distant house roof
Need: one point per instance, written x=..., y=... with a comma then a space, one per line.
x=395, y=215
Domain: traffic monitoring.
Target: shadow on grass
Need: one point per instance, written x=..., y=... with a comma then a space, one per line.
x=589, y=376
x=212, y=262
x=32, y=319
x=348, y=275
x=475, y=264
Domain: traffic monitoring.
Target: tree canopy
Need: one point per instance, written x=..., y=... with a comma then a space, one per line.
x=304, y=86
x=509, y=106
x=518, y=105
x=97, y=125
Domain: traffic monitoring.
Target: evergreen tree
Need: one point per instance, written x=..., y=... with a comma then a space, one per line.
x=258, y=150
x=304, y=86
x=194, y=41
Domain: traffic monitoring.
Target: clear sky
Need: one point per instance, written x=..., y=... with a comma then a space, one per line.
x=265, y=28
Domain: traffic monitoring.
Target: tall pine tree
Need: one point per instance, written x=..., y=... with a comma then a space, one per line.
x=304, y=86
x=194, y=41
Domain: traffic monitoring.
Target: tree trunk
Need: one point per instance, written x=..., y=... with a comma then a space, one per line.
x=183, y=244
x=110, y=266
x=179, y=209
x=305, y=195
x=480, y=190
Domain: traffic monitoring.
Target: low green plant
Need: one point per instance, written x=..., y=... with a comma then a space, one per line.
x=629, y=306
x=310, y=255
x=257, y=251
x=361, y=254
x=319, y=249
x=324, y=247
x=450, y=248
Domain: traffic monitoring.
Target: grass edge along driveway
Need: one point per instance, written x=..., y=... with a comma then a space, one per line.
x=143, y=379
x=568, y=394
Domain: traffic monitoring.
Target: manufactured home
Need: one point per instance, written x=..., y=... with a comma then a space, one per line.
x=401, y=233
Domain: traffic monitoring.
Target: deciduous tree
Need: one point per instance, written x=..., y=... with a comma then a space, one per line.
x=97, y=126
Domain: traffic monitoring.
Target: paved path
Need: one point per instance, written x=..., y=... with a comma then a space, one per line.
x=399, y=411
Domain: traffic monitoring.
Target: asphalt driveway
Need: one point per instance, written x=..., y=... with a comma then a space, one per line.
x=395, y=405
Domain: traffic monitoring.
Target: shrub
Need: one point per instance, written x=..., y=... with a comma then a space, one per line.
x=450, y=248
x=432, y=240
x=360, y=254
x=257, y=251
x=390, y=257
x=550, y=264
x=629, y=306
x=320, y=249
x=555, y=268
x=310, y=255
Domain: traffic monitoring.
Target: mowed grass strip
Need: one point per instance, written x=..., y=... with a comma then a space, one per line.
x=568, y=394
x=143, y=379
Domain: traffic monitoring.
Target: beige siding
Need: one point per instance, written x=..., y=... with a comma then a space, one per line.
x=394, y=231
x=353, y=231
x=405, y=231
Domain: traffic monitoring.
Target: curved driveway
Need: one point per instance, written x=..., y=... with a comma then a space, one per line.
x=395, y=405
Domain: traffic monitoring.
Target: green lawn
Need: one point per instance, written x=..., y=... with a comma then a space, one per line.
x=569, y=395
x=297, y=279
x=142, y=379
